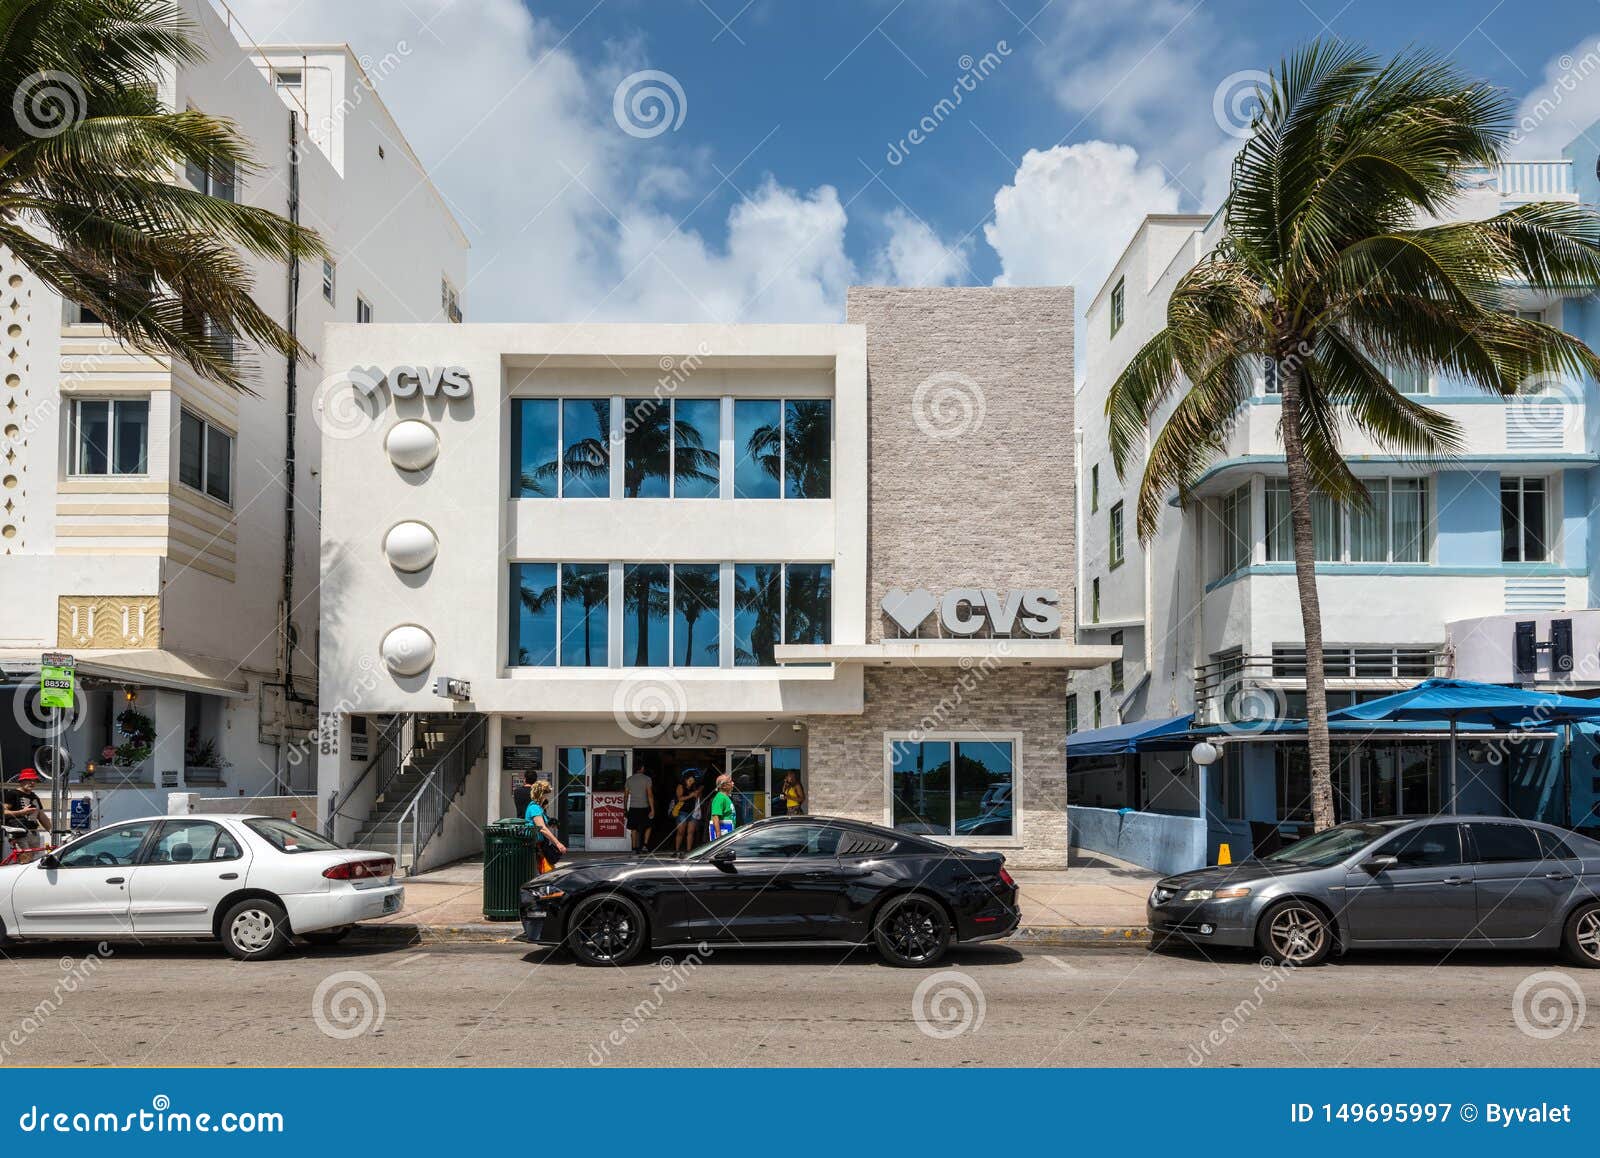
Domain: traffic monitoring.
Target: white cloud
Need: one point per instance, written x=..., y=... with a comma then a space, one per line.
x=1562, y=106
x=914, y=254
x=1069, y=212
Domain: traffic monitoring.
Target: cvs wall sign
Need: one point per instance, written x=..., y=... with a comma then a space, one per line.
x=408, y=381
x=967, y=611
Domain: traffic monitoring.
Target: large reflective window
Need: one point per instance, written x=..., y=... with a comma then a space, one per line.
x=586, y=448
x=696, y=615
x=647, y=437
x=808, y=448
x=585, y=597
x=533, y=615
x=758, y=612
x=808, y=603
x=696, y=447
x=983, y=783
x=758, y=447
x=535, y=447
x=645, y=602
x=921, y=775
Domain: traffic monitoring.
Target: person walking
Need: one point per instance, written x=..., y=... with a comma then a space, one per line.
x=794, y=793
x=640, y=802
x=722, y=810
x=551, y=849
x=687, y=809
x=521, y=794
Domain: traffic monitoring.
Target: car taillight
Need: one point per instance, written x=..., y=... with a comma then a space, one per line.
x=359, y=870
x=1005, y=879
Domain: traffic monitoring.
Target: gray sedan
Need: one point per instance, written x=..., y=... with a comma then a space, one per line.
x=1407, y=883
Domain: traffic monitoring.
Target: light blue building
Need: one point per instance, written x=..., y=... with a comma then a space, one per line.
x=1479, y=567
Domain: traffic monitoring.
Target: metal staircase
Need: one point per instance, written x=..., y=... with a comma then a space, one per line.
x=416, y=790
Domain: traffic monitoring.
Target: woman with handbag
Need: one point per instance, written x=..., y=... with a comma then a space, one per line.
x=686, y=810
x=551, y=849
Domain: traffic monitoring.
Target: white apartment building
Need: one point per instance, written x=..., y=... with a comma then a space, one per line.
x=1434, y=580
x=147, y=514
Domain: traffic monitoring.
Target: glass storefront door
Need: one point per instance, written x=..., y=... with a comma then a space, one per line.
x=609, y=769
x=751, y=769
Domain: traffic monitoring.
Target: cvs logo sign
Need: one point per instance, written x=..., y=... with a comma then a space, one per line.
x=407, y=381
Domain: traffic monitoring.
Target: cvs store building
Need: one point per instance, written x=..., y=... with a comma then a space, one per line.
x=834, y=554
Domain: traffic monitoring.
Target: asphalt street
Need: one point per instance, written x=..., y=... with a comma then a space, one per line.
x=505, y=1005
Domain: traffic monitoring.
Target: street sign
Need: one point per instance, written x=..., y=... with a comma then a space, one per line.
x=57, y=679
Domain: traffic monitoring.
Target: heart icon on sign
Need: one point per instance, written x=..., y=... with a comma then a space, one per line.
x=908, y=608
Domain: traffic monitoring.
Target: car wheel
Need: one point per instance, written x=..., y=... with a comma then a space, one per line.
x=254, y=930
x=1582, y=936
x=328, y=936
x=1294, y=933
x=607, y=930
x=912, y=931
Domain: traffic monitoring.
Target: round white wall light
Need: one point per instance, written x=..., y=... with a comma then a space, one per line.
x=408, y=650
x=411, y=546
x=412, y=444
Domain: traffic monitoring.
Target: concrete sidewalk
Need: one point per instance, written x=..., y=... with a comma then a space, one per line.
x=1096, y=900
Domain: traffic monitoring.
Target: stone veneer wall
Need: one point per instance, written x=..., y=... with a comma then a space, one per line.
x=846, y=753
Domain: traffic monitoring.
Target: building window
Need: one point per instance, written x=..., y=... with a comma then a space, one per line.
x=205, y=457
x=1524, y=520
x=1271, y=380
x=1392, y=528
x=1233, y=530
x=1094, y=600
x=1098, y=708
x=784, y=449
x=646, y=604
x=773, y=602
x=1072, y=712
x=696, y=615
x=1116, y=664
x=1232, y=782
x=289, y=78
x=1117, y=306
x=73, y=314
x=328, y=273
x=533, y=614
x=535, y=448
x=1094, y=488
x=363, y=310
x=110, y=436
x=953, y=786
x=585, y=599
x=585, y=448
x=1116, y=536
x=221, y=183
x=1409, y=379
x=449, y=300
x=672, y=446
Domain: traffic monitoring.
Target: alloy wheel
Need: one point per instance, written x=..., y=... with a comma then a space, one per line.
x=1297, y=934
x=1587, y=934
x=253, y=930
x=914, y=930
x=607, y=930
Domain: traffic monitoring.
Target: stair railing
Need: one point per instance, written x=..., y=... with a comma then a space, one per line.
x=424, y=814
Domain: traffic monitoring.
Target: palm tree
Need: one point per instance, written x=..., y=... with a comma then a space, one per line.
x=1324, y=269
x=88, y=196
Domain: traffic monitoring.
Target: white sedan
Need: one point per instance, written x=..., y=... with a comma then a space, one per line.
x=252, y=882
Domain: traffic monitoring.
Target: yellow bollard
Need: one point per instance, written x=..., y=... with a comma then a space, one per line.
x=1224, y=853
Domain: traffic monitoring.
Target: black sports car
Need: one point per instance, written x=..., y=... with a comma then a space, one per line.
x=794, y=879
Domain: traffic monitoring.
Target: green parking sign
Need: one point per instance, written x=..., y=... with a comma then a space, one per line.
x=57, y=676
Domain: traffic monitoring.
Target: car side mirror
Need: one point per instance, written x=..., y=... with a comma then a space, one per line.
x=1378, y=864
x=723, y=858
x=49, y=861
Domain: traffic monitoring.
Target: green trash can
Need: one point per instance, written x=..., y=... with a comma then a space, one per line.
x=510, y=859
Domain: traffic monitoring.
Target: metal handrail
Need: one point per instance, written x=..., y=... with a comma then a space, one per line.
x=456, y=765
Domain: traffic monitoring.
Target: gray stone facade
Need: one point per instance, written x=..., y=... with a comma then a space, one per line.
x=970, y=396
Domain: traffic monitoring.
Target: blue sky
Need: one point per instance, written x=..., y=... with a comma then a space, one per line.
x=791, y=172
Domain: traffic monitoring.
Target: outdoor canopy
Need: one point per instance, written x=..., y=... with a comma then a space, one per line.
x=1120, y=739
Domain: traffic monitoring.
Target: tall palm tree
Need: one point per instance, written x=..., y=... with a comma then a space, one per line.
x=90, y=194
x=699, y=590
x=1327, y=268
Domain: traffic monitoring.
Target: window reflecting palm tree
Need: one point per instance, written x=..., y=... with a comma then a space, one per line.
x=590, y=587
x=646, y=598
x=650, y=434
x=758, y=592
x=535, y=601
x=587, y=459
x=698, y=591
x=805, y=434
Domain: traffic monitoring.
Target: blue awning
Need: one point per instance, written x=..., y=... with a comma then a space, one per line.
x=1120, y=739
x=1447, y=699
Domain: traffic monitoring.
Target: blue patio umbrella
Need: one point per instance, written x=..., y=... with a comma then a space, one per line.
x=1457, y=700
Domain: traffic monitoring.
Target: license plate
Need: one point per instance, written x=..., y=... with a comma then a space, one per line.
x=391, y=903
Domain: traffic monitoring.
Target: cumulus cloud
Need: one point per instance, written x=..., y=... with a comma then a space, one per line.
x=1562, y=105
x=913, y=254
x=1069, y=212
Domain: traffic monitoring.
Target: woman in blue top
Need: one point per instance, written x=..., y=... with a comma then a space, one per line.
x=538, y=798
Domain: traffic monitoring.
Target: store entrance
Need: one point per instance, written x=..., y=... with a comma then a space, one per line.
x=666, y=768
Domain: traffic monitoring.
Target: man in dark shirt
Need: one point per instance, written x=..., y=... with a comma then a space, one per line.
x=24, y=809
x=520, y=795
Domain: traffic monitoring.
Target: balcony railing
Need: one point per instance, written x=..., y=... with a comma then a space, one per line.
x=1529, y=180
x=1234, y=688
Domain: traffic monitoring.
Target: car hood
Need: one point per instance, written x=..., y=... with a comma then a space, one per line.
x=1220, y=876
x=590, y=868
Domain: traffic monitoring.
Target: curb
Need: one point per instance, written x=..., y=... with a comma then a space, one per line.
x=501, y=933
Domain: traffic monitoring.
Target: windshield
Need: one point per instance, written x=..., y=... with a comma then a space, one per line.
x=287, y=837
x=1329, y=846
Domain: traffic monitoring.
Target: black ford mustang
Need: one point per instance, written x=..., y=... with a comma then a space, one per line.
x=798, y=879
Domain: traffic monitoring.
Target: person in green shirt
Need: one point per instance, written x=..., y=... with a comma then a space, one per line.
x=722, y=815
